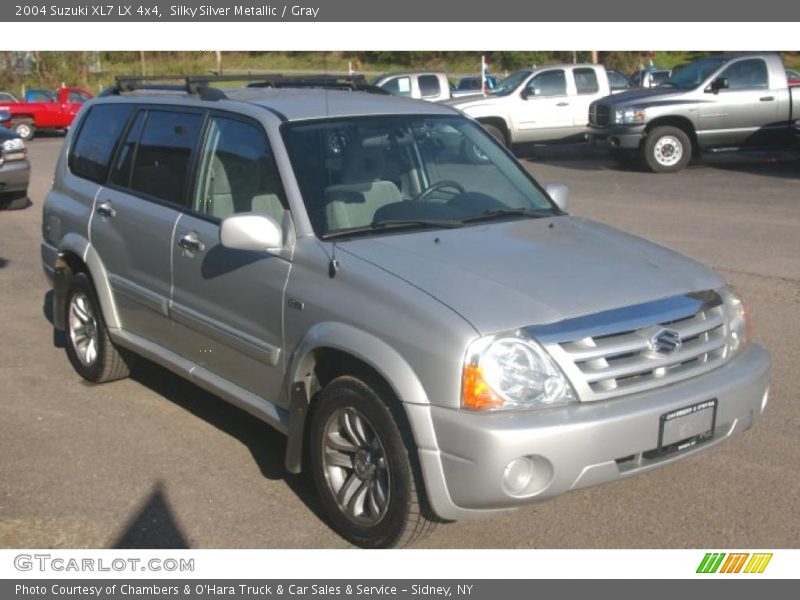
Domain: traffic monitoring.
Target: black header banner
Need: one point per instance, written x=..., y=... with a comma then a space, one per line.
x=393, y=11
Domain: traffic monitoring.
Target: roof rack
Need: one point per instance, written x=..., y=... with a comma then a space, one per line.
x=199, y=85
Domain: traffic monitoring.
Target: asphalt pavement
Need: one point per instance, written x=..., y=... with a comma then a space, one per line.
x=155, y=462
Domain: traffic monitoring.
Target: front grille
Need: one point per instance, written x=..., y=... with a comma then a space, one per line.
x=607, y=359
x=599, y=115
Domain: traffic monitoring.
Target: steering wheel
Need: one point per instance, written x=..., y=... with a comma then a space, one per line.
x=443, y=184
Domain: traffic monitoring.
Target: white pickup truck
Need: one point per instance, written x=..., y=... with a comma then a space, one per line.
x=545, y=104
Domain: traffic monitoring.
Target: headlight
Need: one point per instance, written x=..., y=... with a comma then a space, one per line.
x=736, y=317
x=14, y=145
x=629, y=116
x=512, y=372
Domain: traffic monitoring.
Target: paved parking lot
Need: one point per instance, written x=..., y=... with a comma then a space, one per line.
x=154, y=462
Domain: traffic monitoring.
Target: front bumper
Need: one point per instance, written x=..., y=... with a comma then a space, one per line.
x=464, y=454
x=625, y=137
x=14, y=176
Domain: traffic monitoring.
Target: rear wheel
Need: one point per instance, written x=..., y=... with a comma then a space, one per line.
x=667, y=150
x=89, y=349
x=362, y=468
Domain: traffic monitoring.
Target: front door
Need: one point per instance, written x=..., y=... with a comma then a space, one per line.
x=227, y=304
x=544, y=110
x=746, y=112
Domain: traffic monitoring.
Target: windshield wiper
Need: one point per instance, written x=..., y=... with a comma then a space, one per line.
x=500, y=213
x=393, y=224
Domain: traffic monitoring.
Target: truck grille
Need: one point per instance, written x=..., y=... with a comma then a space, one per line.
x=649, y=345
x=599, y=115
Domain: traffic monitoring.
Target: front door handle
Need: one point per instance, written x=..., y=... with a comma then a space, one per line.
x=191, y=243
x=563, y=104
x=105, y=209
x=767, y=98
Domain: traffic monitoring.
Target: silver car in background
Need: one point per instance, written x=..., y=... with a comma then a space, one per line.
x=439, y=339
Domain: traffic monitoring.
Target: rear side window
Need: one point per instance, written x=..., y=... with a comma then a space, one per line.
x=429, y=85
x=586, y=81
x=162, y=159
x=97, y=138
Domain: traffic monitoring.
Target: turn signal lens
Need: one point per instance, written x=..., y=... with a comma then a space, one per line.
x=477, y=393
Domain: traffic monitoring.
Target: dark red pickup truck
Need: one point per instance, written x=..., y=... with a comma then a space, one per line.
x=27, y=117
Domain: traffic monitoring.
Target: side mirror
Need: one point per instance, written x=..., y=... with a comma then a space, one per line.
x=527, y=93
x=559, y=193
x=720, y=83
x=250, y=231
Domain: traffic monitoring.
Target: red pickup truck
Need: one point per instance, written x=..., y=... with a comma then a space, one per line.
x=27, y=117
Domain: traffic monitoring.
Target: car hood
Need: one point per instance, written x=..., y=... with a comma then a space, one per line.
x=473, y=101
x=503, y=276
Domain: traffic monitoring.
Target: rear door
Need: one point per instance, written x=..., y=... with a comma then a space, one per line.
x=135, y=215
x=227, y=305
x=588, y=88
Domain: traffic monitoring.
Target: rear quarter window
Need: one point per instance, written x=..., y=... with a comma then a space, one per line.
x=98, y=136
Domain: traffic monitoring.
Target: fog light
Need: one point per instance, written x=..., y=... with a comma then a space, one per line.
x=518, y=475
x=764, y=400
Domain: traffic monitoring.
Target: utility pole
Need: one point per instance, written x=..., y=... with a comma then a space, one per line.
x=594, y=57
x=141, y=60
x=219, y=62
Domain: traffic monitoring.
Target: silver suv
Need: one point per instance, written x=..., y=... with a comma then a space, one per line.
x=438, y=339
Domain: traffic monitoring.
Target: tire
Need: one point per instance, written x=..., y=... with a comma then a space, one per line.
x=496, y=133
x=473, y=154
x=667, y=150
x=363, y=469
x=14, y=201
x=89, y=349
x=24, y=128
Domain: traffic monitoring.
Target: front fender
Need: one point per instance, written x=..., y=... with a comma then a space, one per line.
x=364, y=346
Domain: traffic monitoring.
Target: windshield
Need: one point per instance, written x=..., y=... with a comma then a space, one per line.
x=510, y=83
x=368, y=175
x=693, y=74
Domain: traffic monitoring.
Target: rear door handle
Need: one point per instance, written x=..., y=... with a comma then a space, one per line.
x=191, y=243
x=105, y=209
x=563, y=104
x=767, y=98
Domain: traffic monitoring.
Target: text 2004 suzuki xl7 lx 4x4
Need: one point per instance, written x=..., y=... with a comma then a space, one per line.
x=438, y=339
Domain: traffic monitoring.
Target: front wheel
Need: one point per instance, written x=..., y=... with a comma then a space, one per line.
x=667, y=150
x=24, y=128
x=89, y=349
x=362, y=468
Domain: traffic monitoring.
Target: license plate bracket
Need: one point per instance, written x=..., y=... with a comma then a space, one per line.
x=687, y=426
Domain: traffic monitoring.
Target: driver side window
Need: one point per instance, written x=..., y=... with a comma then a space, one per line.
x=747, y=75
x=549, y=83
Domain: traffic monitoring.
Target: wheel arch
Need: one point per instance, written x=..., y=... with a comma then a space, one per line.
x=330, y=350
x=500, y=123
x=682, y=123
x=77, y=255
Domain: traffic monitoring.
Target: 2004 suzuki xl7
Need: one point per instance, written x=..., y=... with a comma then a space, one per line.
x=438, y=339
